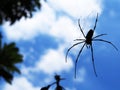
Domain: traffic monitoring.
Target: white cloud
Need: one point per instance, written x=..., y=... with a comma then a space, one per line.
x=53, y=61
x=77, y=8
x=20, y=84
x=64, y=29
x=26, y=29
x=46, y=20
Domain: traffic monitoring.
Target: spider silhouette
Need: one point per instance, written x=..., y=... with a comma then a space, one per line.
x=88, y=43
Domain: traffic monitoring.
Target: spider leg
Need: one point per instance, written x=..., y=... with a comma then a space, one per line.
x=78, y=57
x=99, y=36
x=87, y=46
x=106, y=42
x=93, y=60
x=95, y=22
x=79, y=39
x=71, y=48
x=80, y=28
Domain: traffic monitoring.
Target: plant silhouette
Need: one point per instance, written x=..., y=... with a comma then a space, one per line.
x=58, y=87
x=13, y=10
x=45, y=88
x=88, y=39
x=9, y=57
x=57, y=82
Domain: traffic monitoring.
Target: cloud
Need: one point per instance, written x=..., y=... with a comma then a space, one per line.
x=26, y=29
x=77, y=8
x=64, y=29
x=53, y=61
x=20, y=83
x=47, y=22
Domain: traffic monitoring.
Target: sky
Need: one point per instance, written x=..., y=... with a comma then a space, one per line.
x=44, y=40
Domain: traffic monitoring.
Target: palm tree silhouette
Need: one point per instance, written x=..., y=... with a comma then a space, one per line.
x=9, y=56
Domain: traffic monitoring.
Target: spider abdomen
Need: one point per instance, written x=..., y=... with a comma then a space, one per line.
x=89, y=36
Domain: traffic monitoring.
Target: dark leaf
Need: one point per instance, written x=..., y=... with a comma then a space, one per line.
x=6, y=75
x=45, y=88
x=59, y=88
x=13, y=10
x=9, y=57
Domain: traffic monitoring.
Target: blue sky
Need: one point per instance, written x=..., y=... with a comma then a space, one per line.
x=44, y=39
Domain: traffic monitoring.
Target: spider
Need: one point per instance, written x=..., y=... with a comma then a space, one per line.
x=88, y=39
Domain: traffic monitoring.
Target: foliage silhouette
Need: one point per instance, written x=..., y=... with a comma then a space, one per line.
x=57, y=82
x=47, y=87
x=13, y=10
x=58, y=87
x=9, y=57
x=88, y=42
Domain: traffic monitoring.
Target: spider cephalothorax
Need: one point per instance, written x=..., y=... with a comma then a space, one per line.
x=88, y=42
